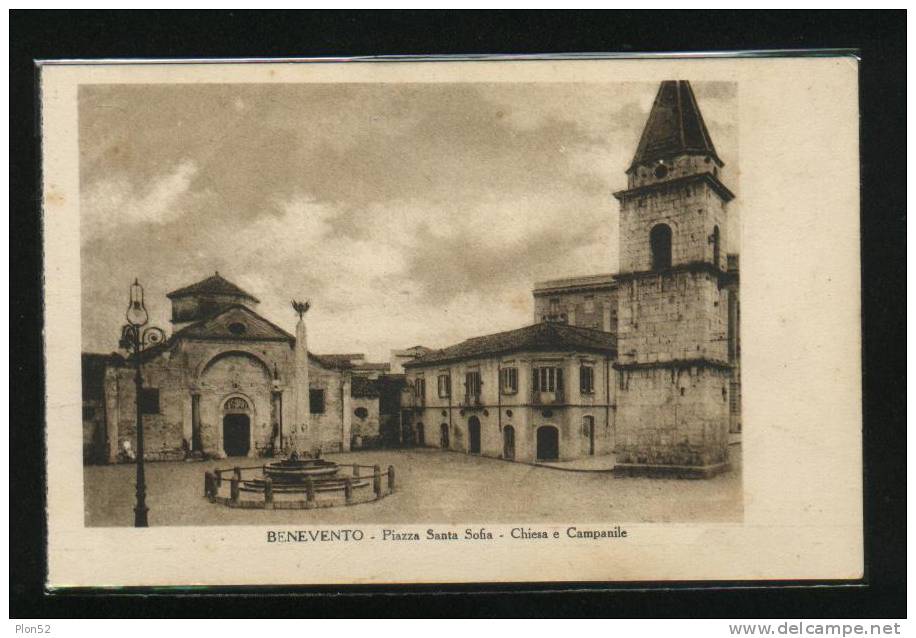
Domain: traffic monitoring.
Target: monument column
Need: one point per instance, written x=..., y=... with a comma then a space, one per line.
x=302, y=435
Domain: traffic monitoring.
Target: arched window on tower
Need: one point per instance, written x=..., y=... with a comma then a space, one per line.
x=660, y=241
x=716, y=246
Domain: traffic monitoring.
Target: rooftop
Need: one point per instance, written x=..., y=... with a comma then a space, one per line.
x=225, y=326
x=539, y=337
x=346, y=360
x=675, y=127
x=214, y=285
x=412, y=350
x=373, y=366
x=235, y=323
x=351, y=361
x=583, y=281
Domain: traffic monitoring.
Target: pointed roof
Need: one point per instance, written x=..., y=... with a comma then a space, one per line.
x=675, y=127
x=235, y=323
x=224, y=327
x=539, y=337
x=214, y=285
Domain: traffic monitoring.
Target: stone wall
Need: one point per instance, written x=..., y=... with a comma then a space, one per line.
x=673, y=416
x=734, y=345
x=589, y=309
x=233, y=375
x=668, y=316
x=260, y=373
x=366, y=428
x=681, y=166
x=162, y=431
x=691, y=210
x=673, y=324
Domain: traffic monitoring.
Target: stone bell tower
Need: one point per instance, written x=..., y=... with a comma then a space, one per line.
x=673, y=370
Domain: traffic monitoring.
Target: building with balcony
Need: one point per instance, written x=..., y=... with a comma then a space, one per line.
x=540, y=393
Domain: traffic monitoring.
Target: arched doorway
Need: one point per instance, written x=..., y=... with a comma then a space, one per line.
x=474, y=435
x=236, y=427
x=443, y=436
x=235, y=396
x=548, y=443
x=421, y=436
x=509, y=442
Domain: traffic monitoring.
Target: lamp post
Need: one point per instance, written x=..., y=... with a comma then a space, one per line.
x=135, y=339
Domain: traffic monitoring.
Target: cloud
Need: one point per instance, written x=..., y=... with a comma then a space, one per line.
x=117, y=202
x=408, y=213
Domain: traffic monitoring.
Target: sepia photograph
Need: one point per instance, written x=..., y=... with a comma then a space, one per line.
x=460, y=303
x=452, y=321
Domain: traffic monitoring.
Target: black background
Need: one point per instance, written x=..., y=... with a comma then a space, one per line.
x=879, y=38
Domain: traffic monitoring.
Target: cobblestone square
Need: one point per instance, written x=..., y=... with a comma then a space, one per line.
x=433, y=487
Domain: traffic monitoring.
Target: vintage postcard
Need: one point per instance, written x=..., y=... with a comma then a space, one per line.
x=390, y=321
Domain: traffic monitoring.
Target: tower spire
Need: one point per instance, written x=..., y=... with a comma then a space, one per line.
x=675, y=127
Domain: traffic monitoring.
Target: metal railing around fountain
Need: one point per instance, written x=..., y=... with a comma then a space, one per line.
x=298, y=484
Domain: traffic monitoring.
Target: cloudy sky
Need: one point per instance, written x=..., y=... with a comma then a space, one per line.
x=408, y=213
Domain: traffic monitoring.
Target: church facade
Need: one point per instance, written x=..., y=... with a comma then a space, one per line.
x=227, y=382
x=670, y=315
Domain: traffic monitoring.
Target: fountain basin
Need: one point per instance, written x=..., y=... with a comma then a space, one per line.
x=327, y=485
x=298, y=484
x=299, y=471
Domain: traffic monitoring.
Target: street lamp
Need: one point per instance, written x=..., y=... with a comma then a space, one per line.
x=135, y=339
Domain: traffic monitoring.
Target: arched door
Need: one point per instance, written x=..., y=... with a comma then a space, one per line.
x=236, y=434
x=236, y=427
x=548, y=443
x=443, y=436
x=509, y=442
x=235, y=394
x=474, y=435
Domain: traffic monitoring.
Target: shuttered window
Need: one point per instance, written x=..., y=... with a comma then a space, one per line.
x=586, y=379
x=472, y=384
x=509, y=381
x=548, y=379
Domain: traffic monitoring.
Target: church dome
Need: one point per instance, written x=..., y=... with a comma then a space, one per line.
x=207, y=298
